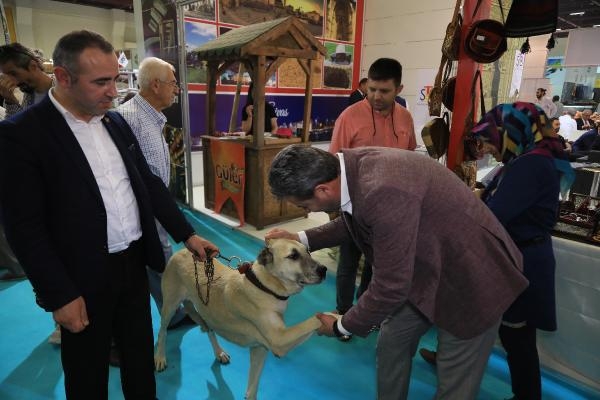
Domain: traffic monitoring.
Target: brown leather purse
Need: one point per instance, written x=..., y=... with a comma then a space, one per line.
x=451, y=44
x=434, y=100
x=436, y=135
x=485, y=41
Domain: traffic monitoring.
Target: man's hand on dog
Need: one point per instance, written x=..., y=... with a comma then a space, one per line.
x=281, y=234
x=199, y=247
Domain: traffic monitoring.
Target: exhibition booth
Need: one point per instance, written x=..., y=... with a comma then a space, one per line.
x=305, y=62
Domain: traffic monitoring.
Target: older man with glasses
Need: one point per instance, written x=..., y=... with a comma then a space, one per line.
x=158, y=91
x=21, y=69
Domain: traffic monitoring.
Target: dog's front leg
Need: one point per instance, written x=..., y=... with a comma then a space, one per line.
x=258, y=355
x=286, y=338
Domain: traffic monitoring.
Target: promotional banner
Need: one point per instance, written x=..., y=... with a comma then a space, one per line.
x=420, y=113
x=230, y=175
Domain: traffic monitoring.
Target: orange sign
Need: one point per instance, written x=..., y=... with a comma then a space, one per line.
x=230, y=175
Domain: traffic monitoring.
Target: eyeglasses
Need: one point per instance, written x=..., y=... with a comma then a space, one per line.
x=175, y=84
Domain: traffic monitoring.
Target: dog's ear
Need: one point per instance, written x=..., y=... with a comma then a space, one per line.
x=265, y=257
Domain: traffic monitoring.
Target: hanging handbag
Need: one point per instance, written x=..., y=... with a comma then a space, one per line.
x=467, y=170
x=485, y=41
x=451, y=44
x=434, y=100
x=531, y=18
x=436, y=135
x=448, y=87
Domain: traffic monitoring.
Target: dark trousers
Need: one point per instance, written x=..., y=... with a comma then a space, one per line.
x=346, y=276
x=523, y=361
x=123, y=313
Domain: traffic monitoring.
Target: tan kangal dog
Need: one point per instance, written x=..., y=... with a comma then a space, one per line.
x=243, y=307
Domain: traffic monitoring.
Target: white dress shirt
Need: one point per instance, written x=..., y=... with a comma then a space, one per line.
x=122, y=213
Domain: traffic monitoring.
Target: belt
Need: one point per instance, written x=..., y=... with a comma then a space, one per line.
x=126, y=252
x=530, y=242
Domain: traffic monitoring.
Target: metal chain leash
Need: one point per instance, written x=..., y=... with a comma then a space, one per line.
x=209, y=272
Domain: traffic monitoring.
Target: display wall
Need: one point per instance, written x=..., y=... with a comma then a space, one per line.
x=336, y=23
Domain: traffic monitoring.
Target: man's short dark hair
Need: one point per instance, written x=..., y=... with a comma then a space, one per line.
x=386, y=68
x=19, y=55
x=70, y=46
x=298, y=169
x=555, y=98
x=363, y=81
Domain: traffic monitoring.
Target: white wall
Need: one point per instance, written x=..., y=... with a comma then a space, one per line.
x=40, y=23
x=409, y=31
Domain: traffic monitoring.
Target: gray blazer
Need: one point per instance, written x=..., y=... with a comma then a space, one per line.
x=431, y=242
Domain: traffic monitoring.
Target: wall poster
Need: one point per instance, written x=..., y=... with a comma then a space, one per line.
x=336, y=23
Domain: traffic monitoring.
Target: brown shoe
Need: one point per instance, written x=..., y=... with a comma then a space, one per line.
x=429, y=356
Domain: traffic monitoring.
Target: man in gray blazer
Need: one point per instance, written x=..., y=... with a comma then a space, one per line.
x=439, y=257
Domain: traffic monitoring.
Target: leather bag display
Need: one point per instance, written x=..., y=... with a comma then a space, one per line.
x=467, y=170
x=434, y=100
x=485, y=41
x=531, y=18
x=436, y=136
x=451, y=44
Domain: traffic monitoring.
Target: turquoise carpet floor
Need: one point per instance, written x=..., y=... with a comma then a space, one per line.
x=321, y=368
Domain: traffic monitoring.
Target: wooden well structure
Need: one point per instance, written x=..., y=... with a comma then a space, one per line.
x=261, y=48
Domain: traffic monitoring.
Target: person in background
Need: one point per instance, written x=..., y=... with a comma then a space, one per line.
x=360, y=92
x=568, y=125
x=588, y=141
x=560, y=107
x=524, y=196
x=83, y=225
x=544, y=102
x=158, y=91
x=247, y=114
x=21, y=69
x=20, y=73
x=436, y=258
x=379, y=121
x=585, y=123
x=555, y=123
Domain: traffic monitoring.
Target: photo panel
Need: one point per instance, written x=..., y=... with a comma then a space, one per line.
x=196, y=34
x=341, y=20
x=252, y=12
x=203, y=9
x=338, y=66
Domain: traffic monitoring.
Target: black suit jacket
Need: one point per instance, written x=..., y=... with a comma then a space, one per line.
x=355, y=97
x=54, y=216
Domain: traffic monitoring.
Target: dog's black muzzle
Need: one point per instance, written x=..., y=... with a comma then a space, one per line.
x=322, y=271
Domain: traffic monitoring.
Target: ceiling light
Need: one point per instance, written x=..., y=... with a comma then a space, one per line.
x=577, y=13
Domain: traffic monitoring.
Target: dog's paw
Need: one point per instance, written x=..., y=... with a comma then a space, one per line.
x=223, y=358
x=160, y=363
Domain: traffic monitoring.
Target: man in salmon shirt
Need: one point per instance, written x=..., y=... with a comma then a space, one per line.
x=378, y=120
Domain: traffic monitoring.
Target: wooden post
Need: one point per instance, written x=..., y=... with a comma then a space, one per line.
x=236, y=99
x=211, y=97
x=258, y=118
x=464, y=78
x=307, y=102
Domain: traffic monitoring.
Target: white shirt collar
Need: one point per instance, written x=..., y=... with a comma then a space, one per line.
x=68, y=116
x=346, y=204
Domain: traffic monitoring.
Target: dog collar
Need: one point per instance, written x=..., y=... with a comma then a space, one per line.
x=246, y=269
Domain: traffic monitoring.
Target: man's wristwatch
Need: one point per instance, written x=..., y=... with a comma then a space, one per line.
x=341, y=336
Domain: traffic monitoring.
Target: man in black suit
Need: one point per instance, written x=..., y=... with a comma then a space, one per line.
x=360, y=93
x=79, y=203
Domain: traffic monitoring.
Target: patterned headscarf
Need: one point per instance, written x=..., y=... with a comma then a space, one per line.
x=515, y=129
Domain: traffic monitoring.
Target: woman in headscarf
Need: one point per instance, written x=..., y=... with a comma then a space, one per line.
x=524, y=196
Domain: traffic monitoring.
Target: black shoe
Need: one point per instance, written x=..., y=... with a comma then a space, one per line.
x=114, y=357
x=429, y=356
x=183, y=322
